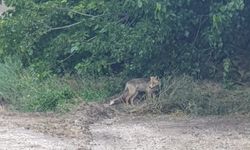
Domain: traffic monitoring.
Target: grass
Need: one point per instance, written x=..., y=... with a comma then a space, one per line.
x=183, y=94
x=24, y=91
x=93, y=89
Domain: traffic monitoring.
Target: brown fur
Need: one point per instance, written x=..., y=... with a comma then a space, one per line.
x=134, y=86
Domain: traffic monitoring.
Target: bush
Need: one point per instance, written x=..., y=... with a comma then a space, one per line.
x=133, y=38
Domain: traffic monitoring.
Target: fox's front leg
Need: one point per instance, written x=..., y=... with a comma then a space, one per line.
x=127, y=99
x=149, y=94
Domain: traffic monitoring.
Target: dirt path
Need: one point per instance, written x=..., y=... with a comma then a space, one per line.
x=15, y=135
x=96, y=127
x=167, y=133
x=19, y=138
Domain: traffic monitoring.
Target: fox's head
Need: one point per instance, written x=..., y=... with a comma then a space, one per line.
x=154, y=81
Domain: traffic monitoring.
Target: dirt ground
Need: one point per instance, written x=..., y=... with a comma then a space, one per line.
x=99, y=127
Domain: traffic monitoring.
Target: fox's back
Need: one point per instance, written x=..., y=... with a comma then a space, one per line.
x=141, y=84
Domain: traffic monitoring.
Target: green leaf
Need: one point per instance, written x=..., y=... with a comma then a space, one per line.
x=139, y=3
x=158, y=7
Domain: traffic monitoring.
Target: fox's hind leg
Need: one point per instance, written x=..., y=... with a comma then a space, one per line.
x=133, y=97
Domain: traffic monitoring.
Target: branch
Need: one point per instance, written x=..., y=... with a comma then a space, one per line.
x=80, y=13
x=64, y=27
x=74, y=24
x=198, y=31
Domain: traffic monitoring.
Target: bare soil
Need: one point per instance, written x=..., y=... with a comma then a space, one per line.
x=99, y=127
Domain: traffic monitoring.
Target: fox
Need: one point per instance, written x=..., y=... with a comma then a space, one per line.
x=136, y=85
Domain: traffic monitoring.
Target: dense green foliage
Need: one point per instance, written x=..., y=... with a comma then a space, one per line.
x=128, y=37
x=103, y=39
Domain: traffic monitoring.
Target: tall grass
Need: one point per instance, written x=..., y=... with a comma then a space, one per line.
x=94, y=89
x=23, y=89
x=10, y=80
x=199, y=97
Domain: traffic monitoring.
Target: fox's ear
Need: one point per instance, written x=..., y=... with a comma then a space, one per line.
x=157, y=78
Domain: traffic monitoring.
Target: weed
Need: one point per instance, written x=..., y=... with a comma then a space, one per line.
x=199, y=97
x=26, y=91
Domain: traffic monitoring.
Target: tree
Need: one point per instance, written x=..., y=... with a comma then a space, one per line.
x=128, y=37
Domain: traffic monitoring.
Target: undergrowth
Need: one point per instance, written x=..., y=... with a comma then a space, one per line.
x=25, y=91
x=183, y=94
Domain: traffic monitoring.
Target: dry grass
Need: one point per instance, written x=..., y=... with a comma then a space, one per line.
x=183, y=94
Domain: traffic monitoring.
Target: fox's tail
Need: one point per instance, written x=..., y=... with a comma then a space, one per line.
x=119, y=99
